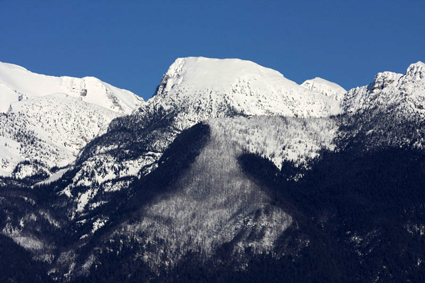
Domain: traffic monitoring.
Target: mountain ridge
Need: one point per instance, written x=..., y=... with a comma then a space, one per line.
x=191, y=91
x=59, y=114
x=240, y=84
x=194, y=178
x=24, y=84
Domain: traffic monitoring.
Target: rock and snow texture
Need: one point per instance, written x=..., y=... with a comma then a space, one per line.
x=213, y=202
x=47, y=120
x=389, y=90
x=389, y=111
x=17, y=83
x=49, y=131
x=279, y=139
x=194, y=89
x=325, y=87
x=210, y=88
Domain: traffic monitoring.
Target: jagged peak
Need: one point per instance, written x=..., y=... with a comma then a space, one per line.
x=383, y=80
x=419, y=64
x=391, y=90
x=416, y=71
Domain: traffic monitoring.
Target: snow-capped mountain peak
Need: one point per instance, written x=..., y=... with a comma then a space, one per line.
x=208, y=72
x=325, y=87
x=46, y=120
x=193, y=90
x=416, y=71
x=213, y=85
x=17, y=83
x=390, y=89
x=383, y=80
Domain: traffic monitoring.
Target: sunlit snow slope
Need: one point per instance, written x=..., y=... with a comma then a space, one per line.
x=17, y=83
x=325, y=87
x=45, y=121
x=194, y=89
x=212, y=87
x=390, y=111
x=48, y=131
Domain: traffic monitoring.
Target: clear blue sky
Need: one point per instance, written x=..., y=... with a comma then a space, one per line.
x=130, y=44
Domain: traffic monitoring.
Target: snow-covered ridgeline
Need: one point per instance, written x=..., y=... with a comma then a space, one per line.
x=17, y=83
x=389, y=90
x=325, y=87
x=47, y=120
x=388, y=112
x=210, y=88
x=195, y=90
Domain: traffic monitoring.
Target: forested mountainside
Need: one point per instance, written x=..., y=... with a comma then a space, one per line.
x=230, y=172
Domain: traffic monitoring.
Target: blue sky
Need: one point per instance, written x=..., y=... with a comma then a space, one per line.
x=130, y=44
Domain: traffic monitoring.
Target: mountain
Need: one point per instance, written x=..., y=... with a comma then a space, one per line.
x=198, y=199
x=205, y=87
x=192, y=90
x=390, y=89
x=48, y=131
x=389, y=111
x=325, y=87
x=231, y=172
x=17, y=83
x=47, y=120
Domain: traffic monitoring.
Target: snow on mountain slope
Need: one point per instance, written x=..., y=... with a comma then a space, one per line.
x=211, y=87
x=212, y=202
x=195, y=215
x=7, y=97
x=49, y=131
x=17, y=83
x=325, y=87
x=279, y=139
x=390, y=89
x=389, y=111
x=193, y=90
x=47, y=119
x=10, y=155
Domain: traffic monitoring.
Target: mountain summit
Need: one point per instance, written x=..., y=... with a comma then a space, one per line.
x=230, y=172
x=389, y=90
x=17, y=83
x=193, y=90
x=45, y=121
x=325, y=87
x=211, y=87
